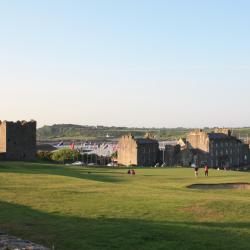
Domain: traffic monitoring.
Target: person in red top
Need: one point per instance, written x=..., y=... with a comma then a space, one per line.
x=133, y=172
x=206, y=170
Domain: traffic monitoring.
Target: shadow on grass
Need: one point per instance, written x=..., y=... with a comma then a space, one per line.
x=68, y=233
x=51, y=169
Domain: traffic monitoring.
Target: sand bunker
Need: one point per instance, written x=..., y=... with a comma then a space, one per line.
x=221, y=186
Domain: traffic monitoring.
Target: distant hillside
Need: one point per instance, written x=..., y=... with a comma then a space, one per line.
x=79, y=132
x=241, y=132
x=71, y=131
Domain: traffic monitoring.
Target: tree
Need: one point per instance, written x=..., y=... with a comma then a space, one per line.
x=63, y=155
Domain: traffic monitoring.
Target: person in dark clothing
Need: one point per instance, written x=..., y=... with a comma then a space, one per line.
x=196, y=169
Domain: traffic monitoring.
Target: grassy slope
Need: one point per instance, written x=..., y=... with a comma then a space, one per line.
x=107, y=209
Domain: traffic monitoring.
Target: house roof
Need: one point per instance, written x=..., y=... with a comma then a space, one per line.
x=145, y=141
x=183, y=139
x=218, y=136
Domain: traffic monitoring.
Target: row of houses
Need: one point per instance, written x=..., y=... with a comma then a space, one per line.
x=217, y=149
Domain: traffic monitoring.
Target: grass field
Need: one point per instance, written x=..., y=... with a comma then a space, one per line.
x=74, y=208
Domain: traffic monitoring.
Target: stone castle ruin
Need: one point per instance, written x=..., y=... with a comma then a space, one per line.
x=18, y=140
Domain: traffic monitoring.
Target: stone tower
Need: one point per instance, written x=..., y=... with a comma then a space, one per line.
x=18, y=140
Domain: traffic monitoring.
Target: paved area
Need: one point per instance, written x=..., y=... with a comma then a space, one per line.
x=8, y=242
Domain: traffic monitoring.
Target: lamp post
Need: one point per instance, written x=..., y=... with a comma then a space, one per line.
x=163, y=156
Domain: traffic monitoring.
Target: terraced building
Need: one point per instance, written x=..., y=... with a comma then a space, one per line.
x=138, y=151
x=218, y=149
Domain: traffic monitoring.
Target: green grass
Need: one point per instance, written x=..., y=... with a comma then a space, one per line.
x=74, y=208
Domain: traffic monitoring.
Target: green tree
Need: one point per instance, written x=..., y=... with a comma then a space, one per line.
x=67, y=155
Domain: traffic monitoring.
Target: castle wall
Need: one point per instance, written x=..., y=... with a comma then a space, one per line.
x=2, y=137
x=138, y=152
x=127, y=151
x=18, y=140
x=198, y=139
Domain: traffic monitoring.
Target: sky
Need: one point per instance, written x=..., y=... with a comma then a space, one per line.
x=158, y=63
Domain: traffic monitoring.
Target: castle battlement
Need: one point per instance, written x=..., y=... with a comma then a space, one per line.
x=18, y=123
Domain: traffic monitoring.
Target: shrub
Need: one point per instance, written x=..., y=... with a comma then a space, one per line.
x=67, y=155
x=44, y=155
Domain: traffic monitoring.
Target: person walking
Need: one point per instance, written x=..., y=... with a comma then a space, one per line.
x=196, y=169
x=206, y=170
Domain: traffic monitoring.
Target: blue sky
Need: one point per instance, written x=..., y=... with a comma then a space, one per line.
x=134, y=63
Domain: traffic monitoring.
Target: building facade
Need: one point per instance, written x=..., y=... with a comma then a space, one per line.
x=218, y=149
x=169, y=154
x=18, y=140
x=138, y=151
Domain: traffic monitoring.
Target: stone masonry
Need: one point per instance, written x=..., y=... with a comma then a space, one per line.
x=18, y=140
x=8, y=242
x=218, y=148
x=138, y=151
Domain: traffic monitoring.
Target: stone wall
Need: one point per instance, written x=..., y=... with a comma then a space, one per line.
x=219, y=149
x=225, y=131
x=140, y=151
x=127, y=150
x=198, y=139
x=18, y=140
x=8, y=242
x=3, y=140
x=147, y=153
x=170, y=154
